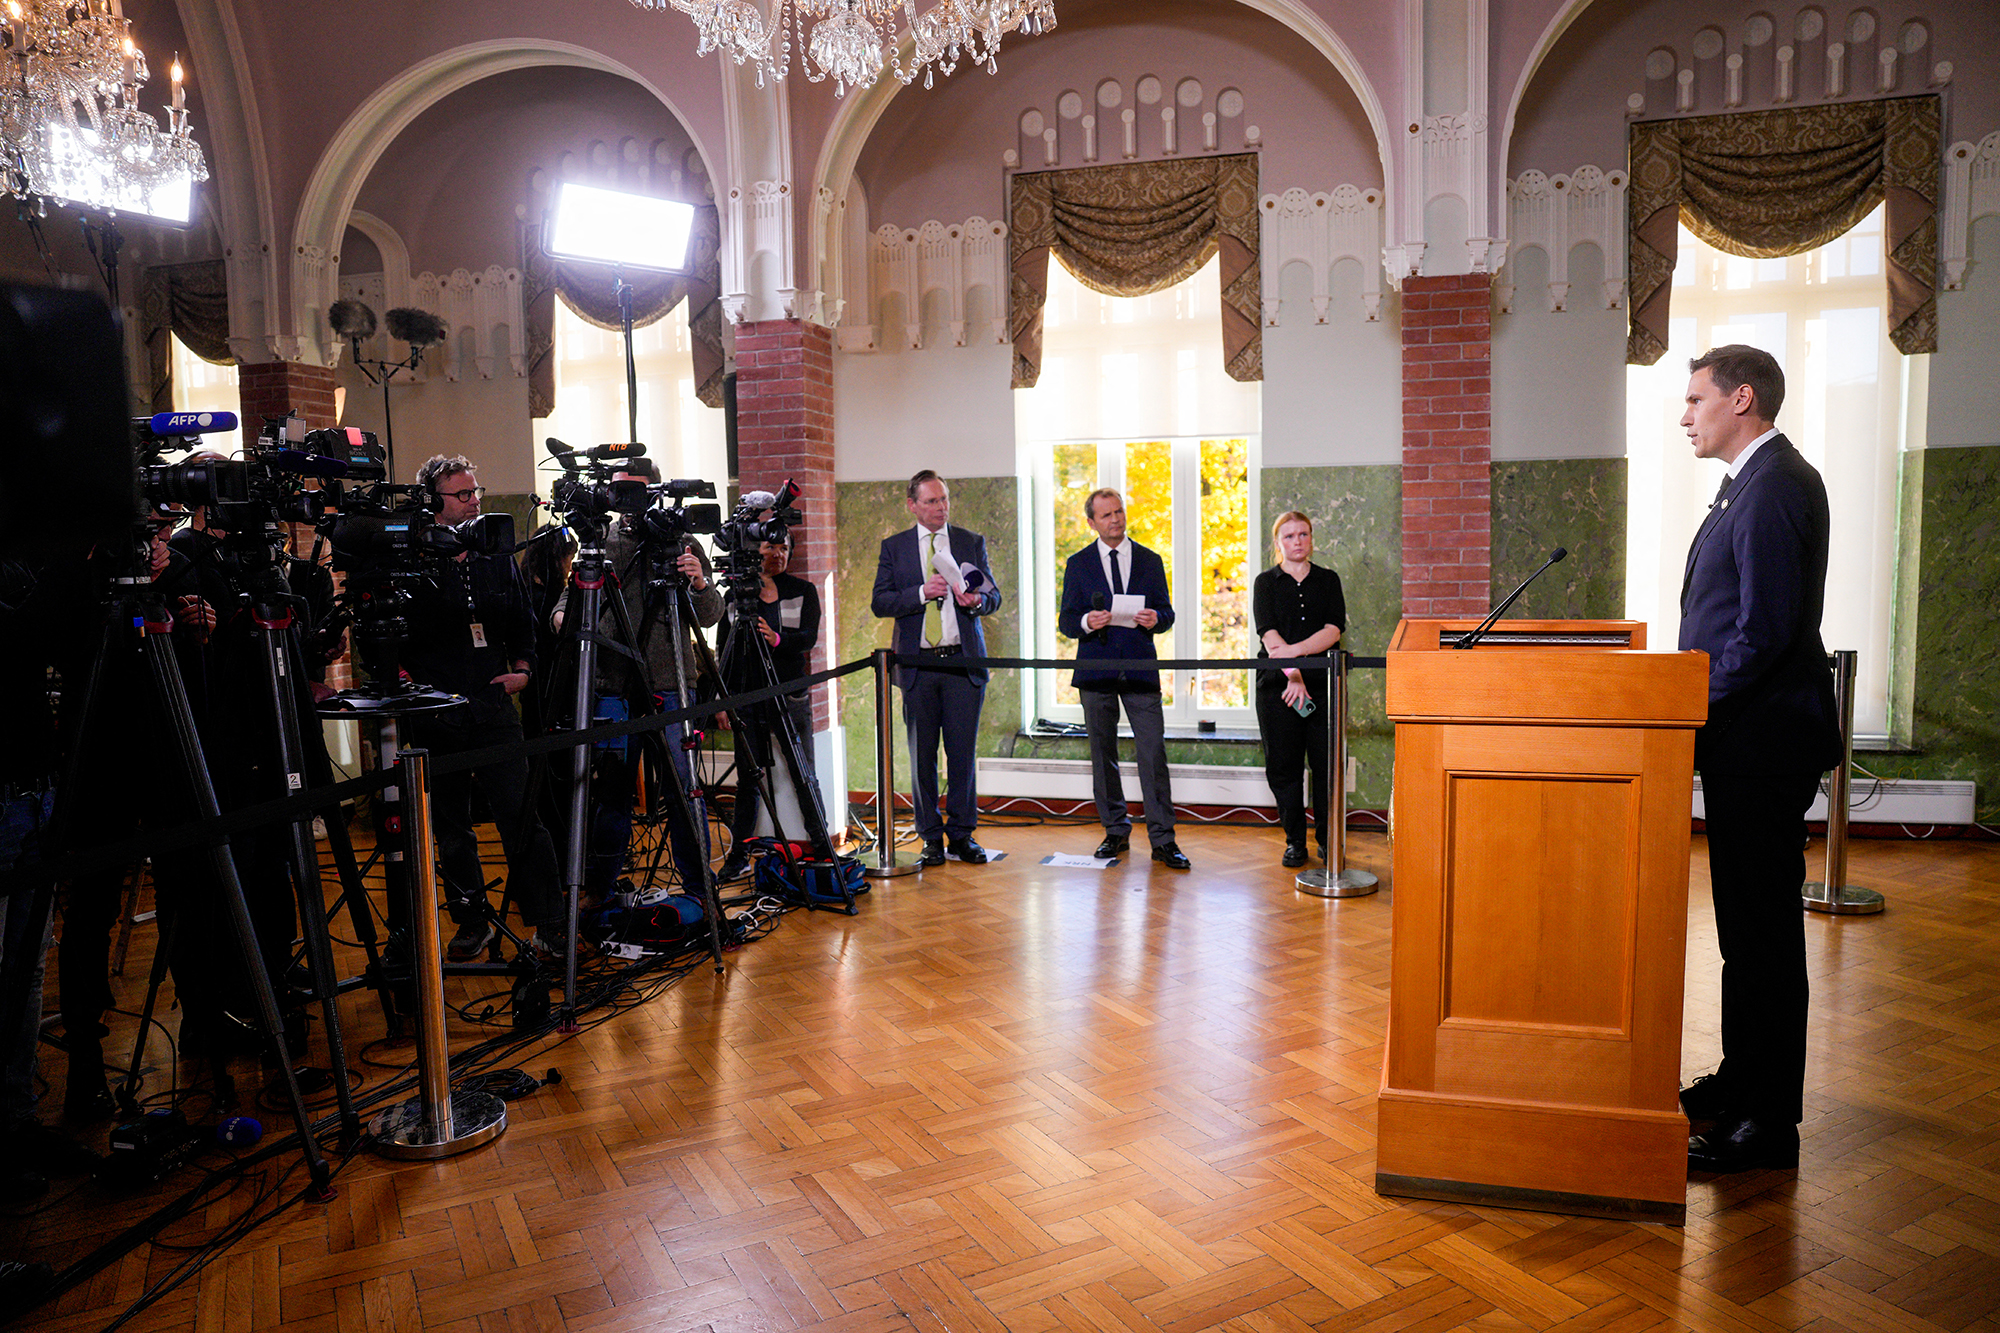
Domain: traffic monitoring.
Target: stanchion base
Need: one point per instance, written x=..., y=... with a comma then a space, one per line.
x=400, y=1131
x=1847, y=900
x=894, y=870
x=1322, y=882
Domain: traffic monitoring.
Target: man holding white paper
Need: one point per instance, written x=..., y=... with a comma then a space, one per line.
x=933, y=580
x=1114, y=600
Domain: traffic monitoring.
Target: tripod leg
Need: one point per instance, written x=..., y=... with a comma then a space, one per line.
x=128, y=1090
x=282, y=662
x=173, y=691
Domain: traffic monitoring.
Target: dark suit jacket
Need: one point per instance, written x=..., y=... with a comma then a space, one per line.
x=1751, y=599
x=900, y=575
x=1083, y=580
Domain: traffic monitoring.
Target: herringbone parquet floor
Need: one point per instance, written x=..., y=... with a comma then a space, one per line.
x=1020, y=1098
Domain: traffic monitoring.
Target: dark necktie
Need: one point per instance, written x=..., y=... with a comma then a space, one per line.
x=1721, y=490
x=1117, y=580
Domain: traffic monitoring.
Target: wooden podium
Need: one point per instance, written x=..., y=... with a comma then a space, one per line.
x=1543, y=787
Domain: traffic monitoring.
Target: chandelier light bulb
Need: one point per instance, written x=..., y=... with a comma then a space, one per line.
x=852, y=41
x=71, y=125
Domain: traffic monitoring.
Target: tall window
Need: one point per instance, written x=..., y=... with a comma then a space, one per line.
x=1133, y=396
x=1852, y=404
x=683, y=435
x=205, y=386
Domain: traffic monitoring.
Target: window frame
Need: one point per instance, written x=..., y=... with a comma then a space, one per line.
x=1184, y=639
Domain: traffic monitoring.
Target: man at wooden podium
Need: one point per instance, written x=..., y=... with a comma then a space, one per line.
x=1751, y=599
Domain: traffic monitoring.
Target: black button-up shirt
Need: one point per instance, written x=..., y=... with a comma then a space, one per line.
x=1297, y=609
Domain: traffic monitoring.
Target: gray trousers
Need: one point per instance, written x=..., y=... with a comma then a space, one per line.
x=1100, y=719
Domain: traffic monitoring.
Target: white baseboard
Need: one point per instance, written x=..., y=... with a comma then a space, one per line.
x=1892, y=801
x=1069, y=780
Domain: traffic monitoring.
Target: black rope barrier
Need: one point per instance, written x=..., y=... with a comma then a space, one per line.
x=287, y=809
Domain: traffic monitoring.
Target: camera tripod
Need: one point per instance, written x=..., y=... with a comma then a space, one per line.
x=138, y=617
x=582, y=629
x=759, y=673
x=302, y=765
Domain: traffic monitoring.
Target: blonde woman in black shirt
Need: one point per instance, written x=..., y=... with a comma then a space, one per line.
x=1298, y=610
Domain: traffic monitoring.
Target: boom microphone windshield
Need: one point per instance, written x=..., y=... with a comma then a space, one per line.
x=418, y=328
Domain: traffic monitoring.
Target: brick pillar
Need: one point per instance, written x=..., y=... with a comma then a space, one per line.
x=273, y=388
x=1447, y=445
x=784, y=430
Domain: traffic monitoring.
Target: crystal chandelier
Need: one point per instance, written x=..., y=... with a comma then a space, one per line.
x=851, y=40
x=70, y=122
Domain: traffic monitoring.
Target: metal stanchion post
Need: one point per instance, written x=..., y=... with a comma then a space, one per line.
x=1334, y=879
x=435, y=1123
x=1834, y=894
x=886, y=865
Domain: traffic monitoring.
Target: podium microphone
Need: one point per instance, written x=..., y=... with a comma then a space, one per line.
x=1468, y=640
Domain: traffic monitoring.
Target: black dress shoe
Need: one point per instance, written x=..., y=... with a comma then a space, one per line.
x=1113, y=845
x=1295, y=856
x=1708, y=1098
x=1169, y=855
x=1745, y=1145
x=966, y=850
x=933, y=853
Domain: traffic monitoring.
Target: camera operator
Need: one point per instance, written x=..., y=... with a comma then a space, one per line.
x=786, y=618
x=472, y=632
x=620, y=682
x=135, y=783
x=229, y=693
x=30, y=616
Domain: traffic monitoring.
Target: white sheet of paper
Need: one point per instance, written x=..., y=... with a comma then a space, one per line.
x=1074, y=862
x=945, y=565
x=1125, y=605
x=991, y=855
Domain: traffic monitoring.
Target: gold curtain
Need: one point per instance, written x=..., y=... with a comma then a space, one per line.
x=1768, y=183
x=191, y=300
x=1134, y=229
x=590, y=293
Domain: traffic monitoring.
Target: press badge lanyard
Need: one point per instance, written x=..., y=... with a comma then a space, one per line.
x=478, y=629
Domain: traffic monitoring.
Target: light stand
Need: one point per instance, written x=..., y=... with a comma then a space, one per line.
x=382, y=374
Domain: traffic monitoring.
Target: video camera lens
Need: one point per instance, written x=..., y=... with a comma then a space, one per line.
x=196, y=482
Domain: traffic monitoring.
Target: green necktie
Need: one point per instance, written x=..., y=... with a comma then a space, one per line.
x=933, y=611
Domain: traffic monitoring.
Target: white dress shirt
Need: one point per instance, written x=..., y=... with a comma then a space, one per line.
x=1736, y=468
x=1124, y=549
x=948, y=609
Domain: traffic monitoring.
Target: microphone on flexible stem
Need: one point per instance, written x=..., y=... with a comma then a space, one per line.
x=1468, y=640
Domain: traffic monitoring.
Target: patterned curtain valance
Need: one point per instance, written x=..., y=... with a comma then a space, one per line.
x=1133, y=229
x=1768, y=183
x=590, y=293
x=188, y=300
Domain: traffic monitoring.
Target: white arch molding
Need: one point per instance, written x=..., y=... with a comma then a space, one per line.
x=1552, y=34
x=350, y=155
x=857, y=116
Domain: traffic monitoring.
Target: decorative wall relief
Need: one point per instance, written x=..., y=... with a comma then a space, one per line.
x=1319, y=230
x=1553, y=213
x=1971, y=192
x=482, y=309
x=1150, y=119
x=1768, y=61
x=955, y=260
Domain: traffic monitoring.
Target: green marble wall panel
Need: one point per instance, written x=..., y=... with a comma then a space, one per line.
x=868, y=512
x=1540, y=504
x=1357, y=515
x=1954, y=721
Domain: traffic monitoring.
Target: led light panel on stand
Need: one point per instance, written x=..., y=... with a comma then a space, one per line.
x=612, y=227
